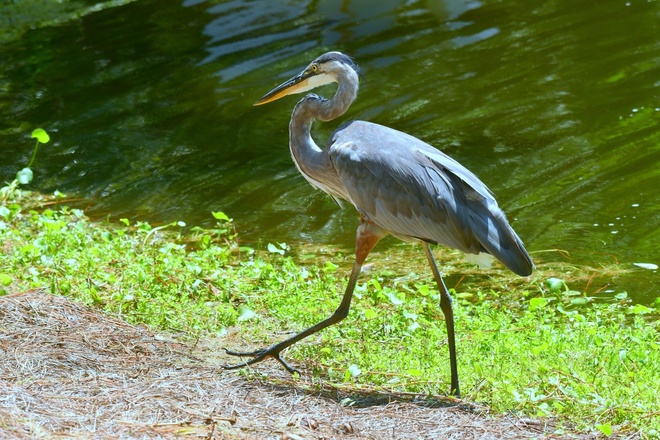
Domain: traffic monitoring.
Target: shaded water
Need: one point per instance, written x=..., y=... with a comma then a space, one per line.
x=555, y=105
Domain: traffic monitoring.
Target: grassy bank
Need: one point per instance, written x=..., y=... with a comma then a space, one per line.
x=532, y=347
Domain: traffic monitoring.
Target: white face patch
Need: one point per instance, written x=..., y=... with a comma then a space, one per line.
x=313, y=82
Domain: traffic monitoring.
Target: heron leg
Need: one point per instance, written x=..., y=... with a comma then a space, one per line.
x=445, y=306
x=367, y=237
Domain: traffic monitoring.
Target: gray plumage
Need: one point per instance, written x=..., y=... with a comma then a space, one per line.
x=398, y=184
x=415, y=191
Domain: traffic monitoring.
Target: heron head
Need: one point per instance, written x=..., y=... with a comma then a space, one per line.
x=326, y=69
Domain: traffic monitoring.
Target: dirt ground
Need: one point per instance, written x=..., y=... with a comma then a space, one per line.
x=70, y=371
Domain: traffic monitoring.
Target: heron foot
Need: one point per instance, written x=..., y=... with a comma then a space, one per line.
x=258, y=356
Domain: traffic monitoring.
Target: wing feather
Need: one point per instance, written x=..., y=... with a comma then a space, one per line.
x=414, y=191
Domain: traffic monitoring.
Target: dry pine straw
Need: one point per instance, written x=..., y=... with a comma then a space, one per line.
x=70, y=371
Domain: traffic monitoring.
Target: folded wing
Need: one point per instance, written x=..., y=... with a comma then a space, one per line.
x=414, y=191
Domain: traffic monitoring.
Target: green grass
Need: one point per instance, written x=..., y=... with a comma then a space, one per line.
x=526, y=346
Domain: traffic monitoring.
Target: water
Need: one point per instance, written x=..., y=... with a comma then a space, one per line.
x=556, y=106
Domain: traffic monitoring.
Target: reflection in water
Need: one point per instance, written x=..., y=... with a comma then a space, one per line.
x=554, y=105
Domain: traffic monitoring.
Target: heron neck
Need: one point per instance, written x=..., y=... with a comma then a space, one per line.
x=313, y=162
x=313, y=107
x=329, y=109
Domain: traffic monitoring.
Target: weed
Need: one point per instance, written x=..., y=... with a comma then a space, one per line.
x=24, y=176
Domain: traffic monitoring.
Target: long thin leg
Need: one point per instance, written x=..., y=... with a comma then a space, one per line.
x=445, y=306
x=367, y=237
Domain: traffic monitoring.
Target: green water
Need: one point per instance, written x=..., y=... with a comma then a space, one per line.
x=555, y=105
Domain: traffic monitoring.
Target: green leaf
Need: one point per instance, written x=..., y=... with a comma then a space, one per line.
x=566, y=312
x=572, y=293
x=370, y=313
x=41, y=135
x=330, y=267
x=539, y=349
x=125, y=221
x=246, y=249
x=554, y=284
x=414, y=372
x=220, y=216
x=639, y=309
x=537, y=303
x=274, y=249
x=410, y=315
x=24, y=176
x=245, y=313
x=605, y=428
x=4, y=211
x=579, y=301
x=394, y=298
x=5, y=279
x=354, y=370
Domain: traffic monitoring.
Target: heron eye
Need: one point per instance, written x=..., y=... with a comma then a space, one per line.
x=315, y=68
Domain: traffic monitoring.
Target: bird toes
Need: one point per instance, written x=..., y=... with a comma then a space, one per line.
x=258, y=356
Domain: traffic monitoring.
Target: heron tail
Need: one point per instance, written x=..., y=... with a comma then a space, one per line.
x=499, y=239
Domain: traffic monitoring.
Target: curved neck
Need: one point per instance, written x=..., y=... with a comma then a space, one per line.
x=313, y=107
x=314, y=163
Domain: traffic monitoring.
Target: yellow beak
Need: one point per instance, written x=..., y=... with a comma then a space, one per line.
x=304, y=81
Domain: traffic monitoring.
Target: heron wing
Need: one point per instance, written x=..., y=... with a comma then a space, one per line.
x=414, y=191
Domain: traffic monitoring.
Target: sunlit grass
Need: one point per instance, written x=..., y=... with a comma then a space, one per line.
x=532, y=347
x=536, y=352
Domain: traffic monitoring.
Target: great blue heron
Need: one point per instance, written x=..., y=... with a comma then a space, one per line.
x=398, y=184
